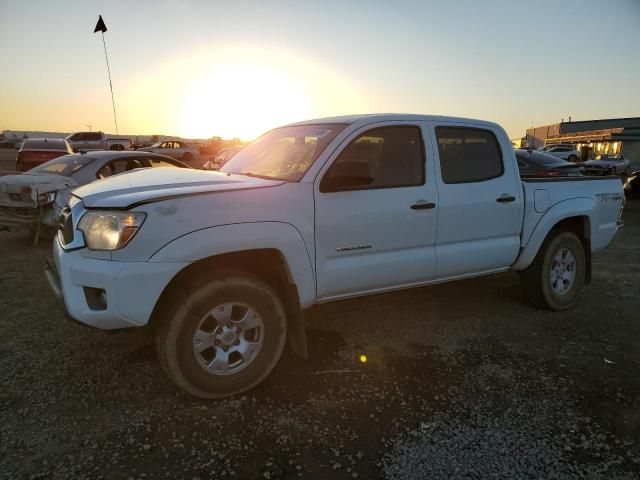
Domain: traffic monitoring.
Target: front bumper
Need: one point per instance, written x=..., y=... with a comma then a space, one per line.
x=131, y=289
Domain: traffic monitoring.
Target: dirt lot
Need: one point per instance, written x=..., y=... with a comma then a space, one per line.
x=463, y=380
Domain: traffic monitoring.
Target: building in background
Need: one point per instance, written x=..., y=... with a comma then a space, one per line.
x=591, y=137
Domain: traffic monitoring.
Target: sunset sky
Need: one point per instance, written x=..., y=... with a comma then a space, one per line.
x=237, y=68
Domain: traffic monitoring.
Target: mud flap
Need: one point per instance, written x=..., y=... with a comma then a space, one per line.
x=297, y=335
x=295, y=322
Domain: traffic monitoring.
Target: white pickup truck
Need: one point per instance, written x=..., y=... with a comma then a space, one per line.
x=223, y=264
x=86, y=141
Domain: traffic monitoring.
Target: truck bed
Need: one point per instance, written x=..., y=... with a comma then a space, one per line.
x=596, y=199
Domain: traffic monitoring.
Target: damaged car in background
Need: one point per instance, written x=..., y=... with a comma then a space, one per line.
x=33, y=200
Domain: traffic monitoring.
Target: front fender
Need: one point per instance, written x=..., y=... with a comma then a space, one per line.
x=575, y=207
x=238, y=237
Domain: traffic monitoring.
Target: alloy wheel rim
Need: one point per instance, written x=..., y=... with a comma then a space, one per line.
x=563, y=271
x=228, y=338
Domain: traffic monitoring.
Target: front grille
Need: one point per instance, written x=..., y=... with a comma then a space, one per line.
x=66, y=226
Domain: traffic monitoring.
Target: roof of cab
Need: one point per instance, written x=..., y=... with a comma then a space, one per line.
x=388, y=117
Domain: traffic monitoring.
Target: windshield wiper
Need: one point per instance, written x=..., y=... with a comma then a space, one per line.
x=265, y=177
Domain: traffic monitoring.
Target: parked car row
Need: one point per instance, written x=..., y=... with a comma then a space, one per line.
x=35, y=198
x=602, y=164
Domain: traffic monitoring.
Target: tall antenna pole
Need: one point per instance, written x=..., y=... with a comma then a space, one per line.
x=113, y=102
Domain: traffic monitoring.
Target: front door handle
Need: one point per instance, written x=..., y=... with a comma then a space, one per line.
x=422, y=205
x=505, y=198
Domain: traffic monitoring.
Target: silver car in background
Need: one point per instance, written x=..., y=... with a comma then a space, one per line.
x=608, y=164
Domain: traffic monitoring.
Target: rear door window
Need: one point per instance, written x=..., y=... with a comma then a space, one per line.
x=468, y=154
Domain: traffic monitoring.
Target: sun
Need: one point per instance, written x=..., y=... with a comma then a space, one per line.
x=241, y=99
x=236, y=92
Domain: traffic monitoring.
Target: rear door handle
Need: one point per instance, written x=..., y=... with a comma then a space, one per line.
x=422, y=205
x=505, y=198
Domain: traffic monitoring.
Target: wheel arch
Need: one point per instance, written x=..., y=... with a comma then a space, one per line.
x=574, y=216
x=282, y=261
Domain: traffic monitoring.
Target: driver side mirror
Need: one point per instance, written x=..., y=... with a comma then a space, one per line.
x=346, y=175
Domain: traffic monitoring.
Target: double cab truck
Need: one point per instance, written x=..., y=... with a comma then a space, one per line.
x=86, y=141
x=223, y=265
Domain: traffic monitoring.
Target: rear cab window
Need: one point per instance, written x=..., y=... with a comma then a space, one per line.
x=468, y=154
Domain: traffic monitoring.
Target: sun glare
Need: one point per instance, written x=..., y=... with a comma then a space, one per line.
x=241, y=99
x=236, y=92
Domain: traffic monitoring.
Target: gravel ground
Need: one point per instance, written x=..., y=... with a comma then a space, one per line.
x=462, y=380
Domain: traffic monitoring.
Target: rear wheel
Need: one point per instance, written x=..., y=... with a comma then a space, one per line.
x=223, y=338
x=557, y=274
x=573, y=158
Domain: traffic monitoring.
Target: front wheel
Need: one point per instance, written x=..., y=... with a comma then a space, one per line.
x=573, y=158
x=222, y=338
x=557, y=274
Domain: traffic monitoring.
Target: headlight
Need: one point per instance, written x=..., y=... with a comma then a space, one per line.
x=109, y=230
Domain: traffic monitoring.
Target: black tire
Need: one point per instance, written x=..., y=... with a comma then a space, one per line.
x=536, y=282
x=179, y=321
x=187, y=157
x=573, y=158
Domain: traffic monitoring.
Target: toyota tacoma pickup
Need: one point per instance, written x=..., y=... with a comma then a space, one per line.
x=222, y=265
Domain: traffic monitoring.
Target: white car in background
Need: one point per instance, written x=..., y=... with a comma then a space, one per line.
x=608, y=164
x=565, y=152
x=173, y=148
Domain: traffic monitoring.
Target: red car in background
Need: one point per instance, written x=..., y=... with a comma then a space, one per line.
x=36, y=151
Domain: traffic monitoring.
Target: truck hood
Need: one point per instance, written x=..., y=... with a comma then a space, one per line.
x=154, y=184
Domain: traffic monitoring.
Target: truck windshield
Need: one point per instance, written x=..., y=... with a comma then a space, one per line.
x=284, y=153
